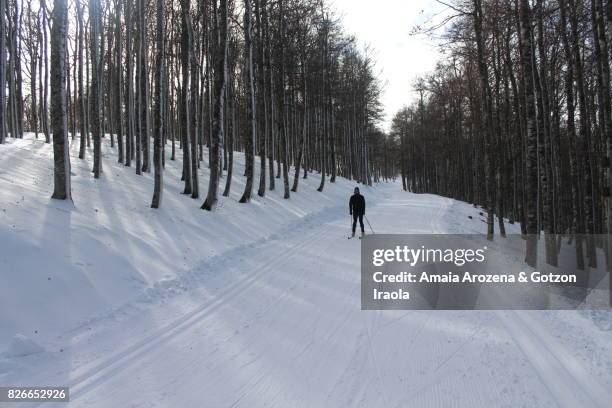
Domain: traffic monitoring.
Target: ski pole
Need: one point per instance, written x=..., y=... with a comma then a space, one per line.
x=370, y=225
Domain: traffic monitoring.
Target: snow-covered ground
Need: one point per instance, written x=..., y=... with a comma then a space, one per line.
x=254, y=305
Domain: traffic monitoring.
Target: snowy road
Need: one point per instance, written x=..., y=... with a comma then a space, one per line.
x=284, y=329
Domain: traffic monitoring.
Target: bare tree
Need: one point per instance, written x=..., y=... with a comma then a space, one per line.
x=217, y=136
x=96, y=79
x=2, y=72
x=185, y=120
x=249, y=141
x=158, y=118
x=81, y=85
x=59, y=116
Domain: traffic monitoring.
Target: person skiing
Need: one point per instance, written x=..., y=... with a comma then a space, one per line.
x=357, y=210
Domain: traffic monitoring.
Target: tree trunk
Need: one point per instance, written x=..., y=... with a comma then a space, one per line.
x=96, y=79
x=118, y=85
x=81, y=85
x=158, y=118
x=45, y=60
x=488, y=117
x=531, y=200
x=249, y=142
x=217, y=135
x=230, y=136
x=59, y=115
x=263, y=111
x=298, y=161
x=194, y=130
x=185, y=123
x=571, y=135
x=129, y=103
x=282, y=100
x=143, y=88
x=584, y=132
x=2, y=72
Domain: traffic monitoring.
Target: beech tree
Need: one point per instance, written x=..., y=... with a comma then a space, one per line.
x=220, y=82
x=249, y=148
x=524, y=100
x=2, y=71
x=279, y=81
x=96, y=78
x=158, y=118
x=61, y=154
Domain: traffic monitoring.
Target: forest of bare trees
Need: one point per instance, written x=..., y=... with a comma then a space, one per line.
x=276, y=79
x=517, y=119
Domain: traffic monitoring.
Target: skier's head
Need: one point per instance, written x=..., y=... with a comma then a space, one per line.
x=356, y=191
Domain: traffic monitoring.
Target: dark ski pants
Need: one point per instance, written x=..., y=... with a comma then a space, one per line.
x=360, y=216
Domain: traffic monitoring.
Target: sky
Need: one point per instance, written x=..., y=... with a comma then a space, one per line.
x=385, y=26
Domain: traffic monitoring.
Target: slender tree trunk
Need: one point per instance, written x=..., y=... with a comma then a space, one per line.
x=158, y=118
x=81, y=85
x=118, y=85
x=263, y=111
x=249, y=142
x=2, y=72
x=33, y=65
x=571, y=135
x=137, y=93
x=96, y=79
x=143, y=79
x=283, y=102
x=220, y=83
x=230, y=136
x=129, y=93
x=45, y=87
x=488, y=117
x=304, y=130
x=584, y=132
x=59, y=115
x=194, y=130
x=323, y=129
x=185, y=121
x=531, y=201
x=541, y=83
x=609, y=152
x=269, y=89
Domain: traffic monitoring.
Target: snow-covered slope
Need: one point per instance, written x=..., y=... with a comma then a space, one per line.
x=62, y=264
x=258, y=305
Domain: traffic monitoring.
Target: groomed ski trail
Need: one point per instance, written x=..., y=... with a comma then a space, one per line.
x=292, y=334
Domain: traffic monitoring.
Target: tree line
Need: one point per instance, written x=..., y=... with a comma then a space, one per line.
x=517, y=119
x=279, y=80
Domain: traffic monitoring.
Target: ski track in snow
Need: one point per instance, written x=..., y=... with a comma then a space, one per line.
x=564, y=380
x=98, y=374
x=562, y=374
x=285, y=329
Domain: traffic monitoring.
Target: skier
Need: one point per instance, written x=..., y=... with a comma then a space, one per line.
x=357, y=210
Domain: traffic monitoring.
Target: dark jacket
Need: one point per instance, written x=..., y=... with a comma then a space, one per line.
x=357, y=204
